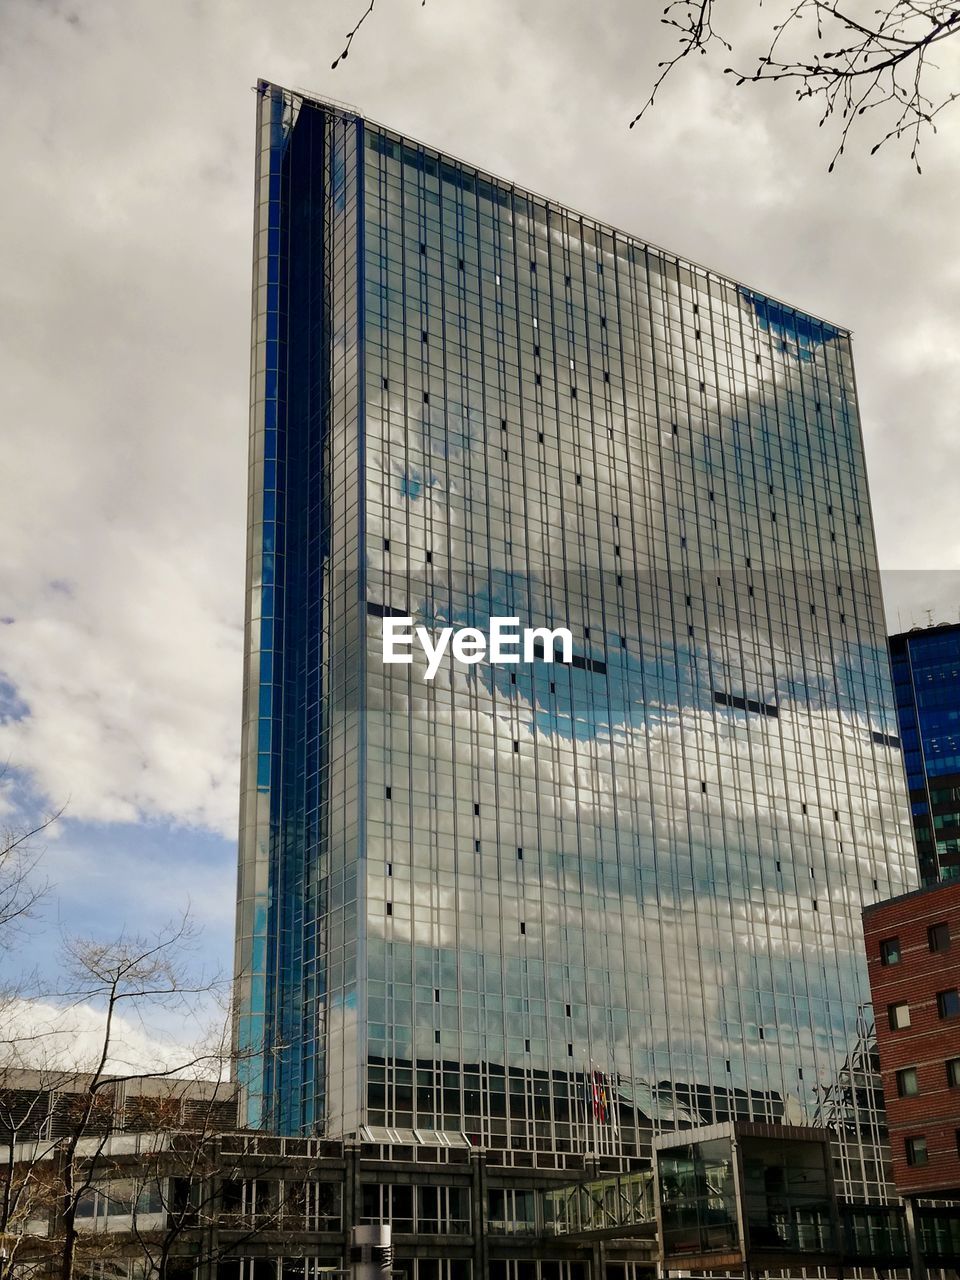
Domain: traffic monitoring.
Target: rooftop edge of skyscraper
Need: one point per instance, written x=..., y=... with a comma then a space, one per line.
x=350, y=111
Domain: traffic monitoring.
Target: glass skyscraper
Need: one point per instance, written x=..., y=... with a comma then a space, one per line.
x=926, y=674
x=557, y=906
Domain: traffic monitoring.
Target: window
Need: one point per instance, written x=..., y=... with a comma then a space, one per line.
x=916, y=1151
x=948, y=1003
x=907, y=1084
x=890, y=951
x=513, y=1212
x=938, y=937
x=899, y=1016
x=953, y=1073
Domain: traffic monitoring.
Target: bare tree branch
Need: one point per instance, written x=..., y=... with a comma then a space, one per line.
x=851, y=64
x=20, y=887
x=351, y=35
x=116, y=979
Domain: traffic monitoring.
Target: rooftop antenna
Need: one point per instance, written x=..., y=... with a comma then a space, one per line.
x=929, y=617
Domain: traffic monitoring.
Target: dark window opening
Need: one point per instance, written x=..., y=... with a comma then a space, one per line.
x=916, y=1151
x=938, y=936
x=908, y=1085
x=376, y=610
x=745, y=704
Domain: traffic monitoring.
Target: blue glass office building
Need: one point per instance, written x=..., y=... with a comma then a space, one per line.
x=557, y=907
x=926, y=674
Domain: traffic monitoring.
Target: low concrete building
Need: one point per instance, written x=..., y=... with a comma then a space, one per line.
x=193, y=1198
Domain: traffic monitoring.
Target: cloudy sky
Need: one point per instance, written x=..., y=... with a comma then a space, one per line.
x=127, y=150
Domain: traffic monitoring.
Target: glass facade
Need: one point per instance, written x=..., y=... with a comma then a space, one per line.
x=926, y=674
x=755, y=1194
x=560, y=906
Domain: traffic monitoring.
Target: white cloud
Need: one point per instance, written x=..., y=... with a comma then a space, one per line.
x=56, y=1038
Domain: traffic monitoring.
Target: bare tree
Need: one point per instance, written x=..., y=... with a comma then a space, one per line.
x=130, y=975
x=21, y=885
x=180, y=1180
x=117, y=984
x=28, y=1186
x=849, y=59
x=184, y=1185
x=161, y=1163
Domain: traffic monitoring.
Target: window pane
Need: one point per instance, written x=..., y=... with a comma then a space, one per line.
x=890, y=951
x=907, y=1085
x=916, y=1151
x=938, y=937
x=899, y=1016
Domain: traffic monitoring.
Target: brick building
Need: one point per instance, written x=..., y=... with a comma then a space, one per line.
x=913, y=955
